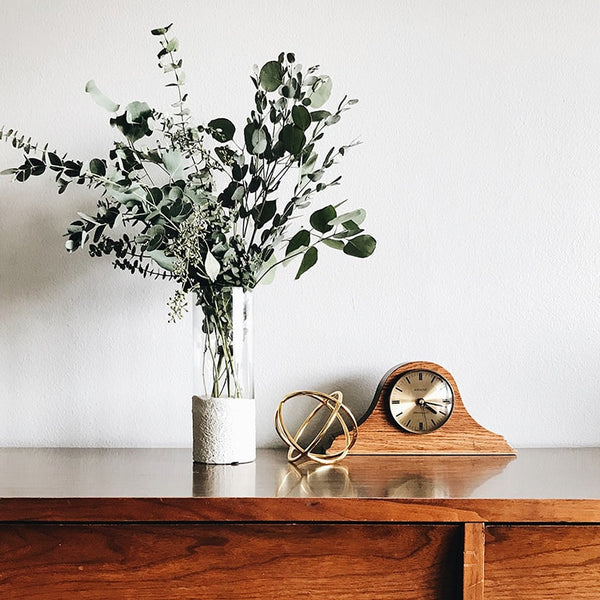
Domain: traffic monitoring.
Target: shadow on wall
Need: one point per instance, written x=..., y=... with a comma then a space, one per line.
x=357, y=397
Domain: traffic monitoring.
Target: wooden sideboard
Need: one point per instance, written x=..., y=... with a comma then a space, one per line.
x=148, y=524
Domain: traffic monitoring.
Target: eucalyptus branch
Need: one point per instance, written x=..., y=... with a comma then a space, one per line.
x=200, y=204
x=292, y=256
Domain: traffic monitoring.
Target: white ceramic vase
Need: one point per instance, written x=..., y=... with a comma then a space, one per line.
x=224, y=430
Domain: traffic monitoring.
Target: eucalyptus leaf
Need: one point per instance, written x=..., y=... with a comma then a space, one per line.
x=259, y=141
x=172, y=45
x=212, y=266
x=292, y=138
x=301, y=117
x=361, y=246
x=270, y=76
x=238, y=194
x=319, y=115
x=173, y=162
x=320, y=219
x=300, y=240
x=135, y=122
x=320, y=92
x=308, y=166
x=174, y=192
x=99, y=98
x=255, y=138
x=355, y=216
x=87, y=218
x=345, y=234
x=55, y=161
x=136, y=111
x=308, y=260
x=264, y=212
x=255, y=183
x=267, y=272
x=335, y=244
x=162, y=260
x=223, y=129
x=37, y=166
x=98, y=167
x=161, y=30
x=156, y=195
x=125, y=194
x=155, y=236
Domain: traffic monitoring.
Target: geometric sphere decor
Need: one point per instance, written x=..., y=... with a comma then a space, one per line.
x=338, y=412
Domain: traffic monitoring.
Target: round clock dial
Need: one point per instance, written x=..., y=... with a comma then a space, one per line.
x=420, y=401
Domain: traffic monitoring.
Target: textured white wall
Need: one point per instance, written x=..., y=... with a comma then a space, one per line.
x=480, y=172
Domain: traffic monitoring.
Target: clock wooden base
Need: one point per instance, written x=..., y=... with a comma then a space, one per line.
x=461, y=434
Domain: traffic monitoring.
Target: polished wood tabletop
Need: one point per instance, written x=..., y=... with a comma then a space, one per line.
x=537, y=485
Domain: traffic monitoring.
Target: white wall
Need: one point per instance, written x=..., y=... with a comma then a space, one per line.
x=480, y=172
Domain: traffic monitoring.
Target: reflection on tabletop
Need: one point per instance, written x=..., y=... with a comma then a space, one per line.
x=391, y=476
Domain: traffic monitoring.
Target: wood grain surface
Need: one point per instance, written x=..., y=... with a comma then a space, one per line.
x=473, y=561
x=246, y=510
x=227, y=562
x=542, y=563
x=147, y=524
x=461, y=434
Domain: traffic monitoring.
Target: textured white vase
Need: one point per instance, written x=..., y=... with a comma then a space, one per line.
x=224, y=430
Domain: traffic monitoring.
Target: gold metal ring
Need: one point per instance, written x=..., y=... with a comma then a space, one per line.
x=338, y=412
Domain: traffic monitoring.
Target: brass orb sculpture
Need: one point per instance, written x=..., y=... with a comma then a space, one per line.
x=338, y=412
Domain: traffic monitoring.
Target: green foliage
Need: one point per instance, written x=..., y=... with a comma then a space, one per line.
x=320, y=219
x=198, y=204
x=271, y=76
x=99, y=98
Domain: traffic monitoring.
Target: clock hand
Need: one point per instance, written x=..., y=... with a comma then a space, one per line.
x=425, y=404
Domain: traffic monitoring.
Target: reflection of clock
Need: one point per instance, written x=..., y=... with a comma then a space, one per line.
x=420, y=401
x=422, y=398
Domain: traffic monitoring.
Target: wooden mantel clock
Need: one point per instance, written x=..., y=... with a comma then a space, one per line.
x=417, y=409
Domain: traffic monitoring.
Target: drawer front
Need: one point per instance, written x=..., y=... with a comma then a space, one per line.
x=230, y=561
x=542, y=562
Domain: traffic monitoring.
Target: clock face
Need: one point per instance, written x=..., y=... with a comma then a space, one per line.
x=420, y=401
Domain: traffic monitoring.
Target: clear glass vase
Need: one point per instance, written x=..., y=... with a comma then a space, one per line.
x=223, y=405
x=223, y=361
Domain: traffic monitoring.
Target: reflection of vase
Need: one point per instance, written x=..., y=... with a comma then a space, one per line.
x=224, y=481
x=223, y=407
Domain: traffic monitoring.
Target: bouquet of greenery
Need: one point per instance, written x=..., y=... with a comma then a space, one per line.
x=199, y=205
